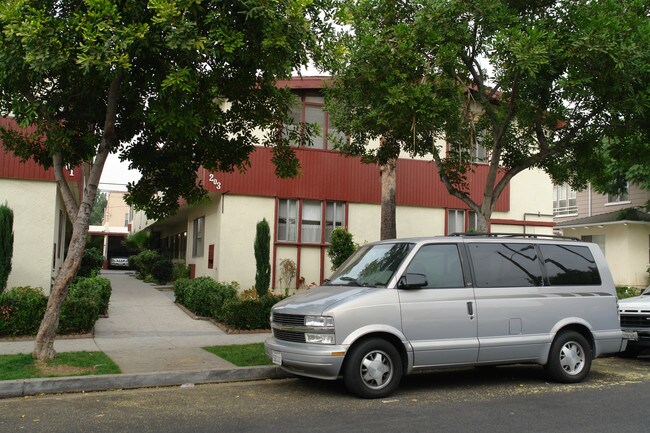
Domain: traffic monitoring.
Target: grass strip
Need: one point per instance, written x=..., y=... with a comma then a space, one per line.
x=242, y=355
x=23, y=366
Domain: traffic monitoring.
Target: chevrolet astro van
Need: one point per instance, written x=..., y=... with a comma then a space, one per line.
x=398, y=306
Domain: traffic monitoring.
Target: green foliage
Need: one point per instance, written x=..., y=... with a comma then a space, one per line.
x=144, y=261
x=262, y=248
x=204, y=296
x=6, y=244
x=626, y=292
x=249, y=313
x=162, y=271
x=180, y=270
x=91, y=263
x=79, y=313
x=21, y=310
x=536, y=84
x=139, y=241
x=93, y=286
x=97, y=211
x=342, y=246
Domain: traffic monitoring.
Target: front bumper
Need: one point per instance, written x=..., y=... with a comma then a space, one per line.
x=311, y=360
x=642, y=338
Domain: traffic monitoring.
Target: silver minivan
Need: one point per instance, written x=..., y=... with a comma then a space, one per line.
x=403, y=305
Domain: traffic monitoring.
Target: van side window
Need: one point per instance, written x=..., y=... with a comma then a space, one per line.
x=440, y=264
x=570, y=265
x=505, y=265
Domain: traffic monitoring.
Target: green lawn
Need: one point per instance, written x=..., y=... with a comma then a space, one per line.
x=22, y=366
x=242, y=355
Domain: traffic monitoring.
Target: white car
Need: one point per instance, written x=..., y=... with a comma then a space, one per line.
x=119, y=262
x=635, y=322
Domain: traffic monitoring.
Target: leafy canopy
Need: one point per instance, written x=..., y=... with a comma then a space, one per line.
x=195, y=80
x=537, y=83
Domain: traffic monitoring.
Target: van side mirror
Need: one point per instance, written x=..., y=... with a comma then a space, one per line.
x=412, y=281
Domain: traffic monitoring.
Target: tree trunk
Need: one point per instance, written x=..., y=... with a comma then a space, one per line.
x=388, y=204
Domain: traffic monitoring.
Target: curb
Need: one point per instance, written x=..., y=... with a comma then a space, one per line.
x=27, y=387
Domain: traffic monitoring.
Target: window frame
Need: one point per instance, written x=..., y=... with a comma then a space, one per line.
x=303, y=98
x=324, y=224
x=198, y=237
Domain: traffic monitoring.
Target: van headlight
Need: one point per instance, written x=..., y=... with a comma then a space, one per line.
x=320, y=338
x=319, y=321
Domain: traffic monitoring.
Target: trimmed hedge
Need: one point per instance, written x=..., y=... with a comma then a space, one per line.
x=204, y=296
x=22, y=308
x=249, y=313
x=209, y=298
x=21, y=311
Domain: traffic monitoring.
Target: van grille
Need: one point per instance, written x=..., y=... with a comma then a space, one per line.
x=630, y=321
x=293, y=336
x=289, y=319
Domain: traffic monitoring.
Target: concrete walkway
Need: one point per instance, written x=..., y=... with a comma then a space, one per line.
x=147, y=333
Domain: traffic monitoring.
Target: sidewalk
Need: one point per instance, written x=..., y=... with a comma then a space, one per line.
x=151, y=339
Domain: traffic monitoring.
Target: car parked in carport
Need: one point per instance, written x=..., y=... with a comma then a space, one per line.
x=635, y=322
x=119, y=262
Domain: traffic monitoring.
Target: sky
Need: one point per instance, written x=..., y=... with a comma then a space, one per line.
x=116, y=174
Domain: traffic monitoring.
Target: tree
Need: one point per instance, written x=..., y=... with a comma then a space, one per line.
x=262, y=247
x=97, y=210
x=170, y=84
x=537, y=84
x=6, y=244
x=342, y=246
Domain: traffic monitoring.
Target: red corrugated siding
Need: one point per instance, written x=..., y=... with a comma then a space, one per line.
x=13, y=168
x=330, y=176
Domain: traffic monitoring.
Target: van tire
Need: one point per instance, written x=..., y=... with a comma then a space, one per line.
x=373, y=369
x=569, y=359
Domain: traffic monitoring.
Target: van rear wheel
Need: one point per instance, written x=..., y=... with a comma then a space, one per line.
x=569, y=360
x=373, y=369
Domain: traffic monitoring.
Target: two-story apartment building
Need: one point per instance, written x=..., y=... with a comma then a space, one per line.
x=332, y=191
x=619, y=224
x=41, y=225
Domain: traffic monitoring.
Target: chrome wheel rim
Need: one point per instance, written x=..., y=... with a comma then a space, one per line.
x=376, y=369
x=572, y=358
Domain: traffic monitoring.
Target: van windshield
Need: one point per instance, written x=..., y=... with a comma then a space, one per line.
x=371, y=265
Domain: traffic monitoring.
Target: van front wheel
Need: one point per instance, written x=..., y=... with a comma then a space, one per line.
x=373, y=369
x=569, y=360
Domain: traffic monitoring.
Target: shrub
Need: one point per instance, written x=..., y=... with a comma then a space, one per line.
x=92, y=262
x=626, y=292
x=21, y=311
x=99, y=286
x=180, y=270
x=205, y=297
x=6, y=244
x=143, y=262
x=249, y=313
x=341, y=247
x=162, y=271
x=79, y=313
x=181, y=287
x=262, y=258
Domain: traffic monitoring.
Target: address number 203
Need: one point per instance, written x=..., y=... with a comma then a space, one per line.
x=214, y=181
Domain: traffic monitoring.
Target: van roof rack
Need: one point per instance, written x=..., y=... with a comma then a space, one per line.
x=513, y=235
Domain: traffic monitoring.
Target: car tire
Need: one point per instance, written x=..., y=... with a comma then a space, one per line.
x=373, y=369
x=569, y=359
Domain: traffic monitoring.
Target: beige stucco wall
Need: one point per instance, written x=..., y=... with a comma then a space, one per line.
x=36, y=208
x=116, y=209
x=363, y=222
x=238, y=222
x=419, y=221
x=626, y=250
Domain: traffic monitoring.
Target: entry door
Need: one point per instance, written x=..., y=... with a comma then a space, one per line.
x=439, y=319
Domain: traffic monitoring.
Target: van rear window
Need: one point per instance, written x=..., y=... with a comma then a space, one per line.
x=505, y=265
x=568, y=265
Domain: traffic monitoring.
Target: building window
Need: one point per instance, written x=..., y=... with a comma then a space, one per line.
x=479, y=151
x=564, y=200
x=198, y=237
x=309, y=109
x=456, y=221
x=622, y=197
x=334, y=217
x=126, y=219
x=288, y=220
x=310, y=223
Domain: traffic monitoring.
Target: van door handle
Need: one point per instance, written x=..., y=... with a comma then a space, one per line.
x=470, y=308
